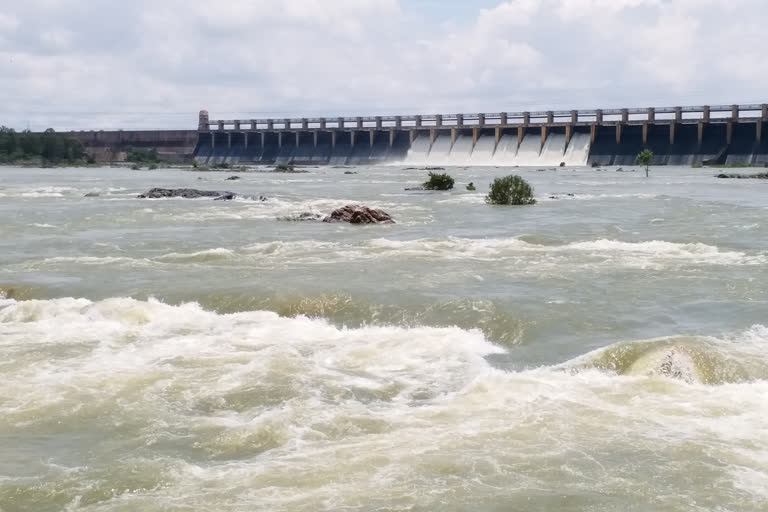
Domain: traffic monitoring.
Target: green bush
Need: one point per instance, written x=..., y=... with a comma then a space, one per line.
x=439, y=182
x=152, y=167
x=510, y=190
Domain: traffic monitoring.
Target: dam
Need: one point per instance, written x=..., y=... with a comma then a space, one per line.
x=721, y=134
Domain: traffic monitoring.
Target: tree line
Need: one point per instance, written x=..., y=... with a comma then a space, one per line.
x=50, y=146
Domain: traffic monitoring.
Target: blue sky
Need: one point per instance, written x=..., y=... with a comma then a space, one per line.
x=82, y=64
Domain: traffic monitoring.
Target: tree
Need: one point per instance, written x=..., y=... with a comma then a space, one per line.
x=510, y=190
x=645, y=158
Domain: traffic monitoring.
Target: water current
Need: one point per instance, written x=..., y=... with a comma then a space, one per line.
x=602, y=350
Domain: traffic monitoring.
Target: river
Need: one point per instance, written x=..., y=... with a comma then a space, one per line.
x=602, y=350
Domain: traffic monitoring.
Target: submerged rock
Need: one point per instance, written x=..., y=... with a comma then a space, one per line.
x=303, y=216
x=191, y=193
x=288, y=168
x=232, y=178
x=760, y=176
x=357, y=214
x=92, y=194
x=350, y=172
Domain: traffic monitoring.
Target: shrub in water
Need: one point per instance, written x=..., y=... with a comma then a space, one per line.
x=510, y=190
x=438, y=182
x=645, y=158
x=471, y=186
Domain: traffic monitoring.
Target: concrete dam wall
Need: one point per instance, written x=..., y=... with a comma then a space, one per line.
x=725, y=134
x=112, y=146
x=509, y=148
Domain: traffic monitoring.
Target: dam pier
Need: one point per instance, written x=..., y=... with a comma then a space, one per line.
x=723, y=134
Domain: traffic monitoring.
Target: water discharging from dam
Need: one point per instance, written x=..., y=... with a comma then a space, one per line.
x=530, y=152
x=736, y=136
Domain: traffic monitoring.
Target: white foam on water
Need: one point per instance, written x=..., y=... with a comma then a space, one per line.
x=694, y=252
x=633, y=254
x=511, y=254
x=251, y=409
x=93, y=260
x=38, y=192
x=208, y=255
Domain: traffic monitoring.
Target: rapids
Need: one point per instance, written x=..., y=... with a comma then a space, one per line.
x=601, y=350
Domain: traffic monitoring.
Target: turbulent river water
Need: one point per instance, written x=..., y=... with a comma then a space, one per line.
x=603, y=350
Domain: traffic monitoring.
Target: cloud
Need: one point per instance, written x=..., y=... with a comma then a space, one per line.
x=68, y=64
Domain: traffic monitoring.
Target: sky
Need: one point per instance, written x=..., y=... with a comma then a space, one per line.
x=104, y=64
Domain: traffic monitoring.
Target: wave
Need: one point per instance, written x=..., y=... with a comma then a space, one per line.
x=622, y=253
x=97, y=260
x=209, y=255
x=291, y=412
x=529, y=250
x=344, y=310
x=692, y=359
x=60, y=192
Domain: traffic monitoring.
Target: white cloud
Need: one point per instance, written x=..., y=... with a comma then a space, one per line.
x=8, y=22
x=356, y=56
x=596, y=10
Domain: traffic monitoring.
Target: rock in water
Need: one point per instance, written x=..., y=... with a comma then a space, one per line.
x=357, y=214
x=232, y=178
x=302, y=217
x=91, y=194
x=186, y=193
x=760, y=176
